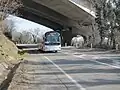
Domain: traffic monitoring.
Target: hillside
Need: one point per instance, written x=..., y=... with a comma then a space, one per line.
x=8, y=51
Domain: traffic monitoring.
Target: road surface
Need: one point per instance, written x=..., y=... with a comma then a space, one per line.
x=71, y=69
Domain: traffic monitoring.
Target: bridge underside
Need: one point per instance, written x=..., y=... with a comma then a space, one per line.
x=40, y=19
x=59, y=15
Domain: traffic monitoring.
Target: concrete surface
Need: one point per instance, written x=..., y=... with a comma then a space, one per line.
x=61, y=13
x=66, y=70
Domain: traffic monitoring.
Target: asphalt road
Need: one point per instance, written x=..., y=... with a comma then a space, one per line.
x=72, y=69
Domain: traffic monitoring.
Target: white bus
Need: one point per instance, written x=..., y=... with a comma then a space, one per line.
x=50, y=41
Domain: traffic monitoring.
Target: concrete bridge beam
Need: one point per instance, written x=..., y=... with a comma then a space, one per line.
x=62, y=14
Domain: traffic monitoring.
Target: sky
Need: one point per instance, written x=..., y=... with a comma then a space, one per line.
x=23, y=24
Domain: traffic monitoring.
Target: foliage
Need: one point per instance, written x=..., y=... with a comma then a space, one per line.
x=108, y=19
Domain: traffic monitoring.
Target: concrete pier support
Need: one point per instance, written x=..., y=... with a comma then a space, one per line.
x=66, y=36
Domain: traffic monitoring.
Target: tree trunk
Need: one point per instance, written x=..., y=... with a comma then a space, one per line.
x=108, y=41
x=114, y=42
x=101, y=41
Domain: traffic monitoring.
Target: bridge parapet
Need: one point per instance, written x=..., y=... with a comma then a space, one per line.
x=85, y=3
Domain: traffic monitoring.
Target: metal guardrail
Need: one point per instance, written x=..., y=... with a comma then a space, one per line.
x=30, y=49
x=27, y=47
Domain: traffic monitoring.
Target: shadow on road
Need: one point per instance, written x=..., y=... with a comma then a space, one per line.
x=75, y=67
x=38, y=51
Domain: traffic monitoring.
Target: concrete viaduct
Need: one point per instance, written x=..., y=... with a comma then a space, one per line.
x=69, y=17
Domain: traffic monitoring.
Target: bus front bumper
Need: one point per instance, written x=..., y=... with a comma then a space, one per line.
x=52, y=48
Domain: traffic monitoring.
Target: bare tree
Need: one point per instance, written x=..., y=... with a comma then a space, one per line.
x=35, y=34
x=26, y=38
x=17, y=37
x=9, y=28
x=8, y=7
x=35, y=37
x=11, y=25
x=36, y=31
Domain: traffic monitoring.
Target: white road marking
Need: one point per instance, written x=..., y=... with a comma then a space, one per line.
x=93, y=57
x=106, y=64
x=74, y=81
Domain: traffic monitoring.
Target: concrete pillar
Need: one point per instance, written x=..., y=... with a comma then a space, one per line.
x=67, y=36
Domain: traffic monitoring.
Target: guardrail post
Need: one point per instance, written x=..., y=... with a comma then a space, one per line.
x=116, y=47
x=65, y=44
x=91, y=46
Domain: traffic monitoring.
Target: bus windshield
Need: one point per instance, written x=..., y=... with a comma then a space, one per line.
x=52, y=38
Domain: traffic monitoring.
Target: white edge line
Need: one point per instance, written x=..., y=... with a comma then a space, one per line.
x=100, y=62
x=106, y=64
x=74, y=81
x=95, y=61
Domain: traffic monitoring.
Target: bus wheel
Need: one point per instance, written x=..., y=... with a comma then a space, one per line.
x=55, y=51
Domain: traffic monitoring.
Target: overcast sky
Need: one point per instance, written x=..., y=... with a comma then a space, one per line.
x=23, y=24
